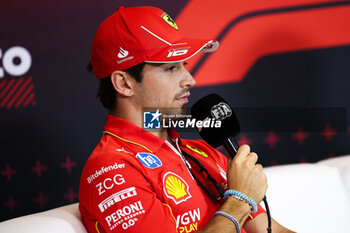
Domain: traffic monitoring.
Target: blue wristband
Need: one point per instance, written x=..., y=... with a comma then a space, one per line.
x=231, y=218
x=241, y=196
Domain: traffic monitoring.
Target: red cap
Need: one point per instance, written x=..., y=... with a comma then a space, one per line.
x=141, y=34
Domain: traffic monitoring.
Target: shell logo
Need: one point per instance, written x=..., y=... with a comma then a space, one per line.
x=175, y=188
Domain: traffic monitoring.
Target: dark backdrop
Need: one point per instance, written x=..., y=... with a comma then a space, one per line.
x=274, y=62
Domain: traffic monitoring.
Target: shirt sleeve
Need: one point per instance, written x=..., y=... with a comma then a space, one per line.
x=252, y=216
x=116, y=197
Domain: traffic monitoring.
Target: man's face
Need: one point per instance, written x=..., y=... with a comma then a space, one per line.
x=165, y=86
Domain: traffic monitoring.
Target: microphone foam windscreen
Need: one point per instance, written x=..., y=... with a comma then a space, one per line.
x=216, y=108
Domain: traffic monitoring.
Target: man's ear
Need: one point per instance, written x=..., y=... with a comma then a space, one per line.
x=122, y=83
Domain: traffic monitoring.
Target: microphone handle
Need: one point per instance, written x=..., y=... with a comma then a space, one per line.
x=231, y=146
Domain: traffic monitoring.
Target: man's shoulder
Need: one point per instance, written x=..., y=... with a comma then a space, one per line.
x=197, y=143
x=202, y=147
x=110, y=146
x=109, y=152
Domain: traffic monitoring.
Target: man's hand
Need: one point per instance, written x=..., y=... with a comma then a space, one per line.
x=244, y=175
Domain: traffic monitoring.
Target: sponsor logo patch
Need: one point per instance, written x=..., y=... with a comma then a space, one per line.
x=149, y=160
x=222, y=172
x=104, y=170
x=175, y=188
x=109, y=183
x=117, y=197
x=123, y=150
x=126, y=216
x=188, y=221
x=177, y=52
x=169, y=20
x=122, y=53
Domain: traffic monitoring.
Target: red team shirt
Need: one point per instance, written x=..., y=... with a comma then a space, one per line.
x=137, y=182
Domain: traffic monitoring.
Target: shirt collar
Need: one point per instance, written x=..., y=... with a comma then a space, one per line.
x=130, y=132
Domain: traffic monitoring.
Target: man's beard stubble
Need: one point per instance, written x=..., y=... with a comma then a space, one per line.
x=179, y=112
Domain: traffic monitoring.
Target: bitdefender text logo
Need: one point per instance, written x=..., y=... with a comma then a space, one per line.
x=151, y=120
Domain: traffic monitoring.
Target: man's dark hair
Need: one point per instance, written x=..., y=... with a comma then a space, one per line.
x=106, y=92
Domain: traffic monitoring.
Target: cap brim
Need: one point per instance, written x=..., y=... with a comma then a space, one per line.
x=183, y=50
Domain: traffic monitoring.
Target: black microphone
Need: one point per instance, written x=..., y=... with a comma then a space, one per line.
x=213, y=107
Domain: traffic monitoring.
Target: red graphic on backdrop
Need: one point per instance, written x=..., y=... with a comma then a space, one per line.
x=17, y=92
x=250, y=30
x=8, y=172
x=274, y=163
x=68, y=165
x=302, y=159
x=328, y=132
x=300, y=136
x=39, y=168
x=11, y=203
x=244, y=140
x=71, y=195
x=41, y=199
x=272, y=139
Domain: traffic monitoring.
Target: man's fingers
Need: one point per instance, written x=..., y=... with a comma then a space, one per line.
x=259, y=167
x=252, y=158
x=242, y=153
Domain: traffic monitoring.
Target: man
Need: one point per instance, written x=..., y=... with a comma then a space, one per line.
x=140, y=181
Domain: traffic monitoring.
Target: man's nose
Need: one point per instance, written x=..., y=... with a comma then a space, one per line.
x=187, y=80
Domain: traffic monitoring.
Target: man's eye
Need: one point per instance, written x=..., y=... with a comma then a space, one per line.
x=171, y=68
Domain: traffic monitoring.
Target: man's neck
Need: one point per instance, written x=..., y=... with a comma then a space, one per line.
x=162, y=133
x=133, y=118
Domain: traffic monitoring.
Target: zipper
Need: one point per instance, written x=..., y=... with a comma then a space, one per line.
x=187, y=164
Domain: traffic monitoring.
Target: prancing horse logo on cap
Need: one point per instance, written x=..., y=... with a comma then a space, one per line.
x=122, y=53
x=169, y=20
